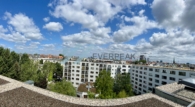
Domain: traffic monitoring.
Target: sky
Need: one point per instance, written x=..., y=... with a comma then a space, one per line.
x=158, y=29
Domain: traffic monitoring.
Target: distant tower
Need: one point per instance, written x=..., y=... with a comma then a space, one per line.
x=174, y=60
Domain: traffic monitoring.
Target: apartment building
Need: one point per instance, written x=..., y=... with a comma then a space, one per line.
x=87, y=71
x=145, y=78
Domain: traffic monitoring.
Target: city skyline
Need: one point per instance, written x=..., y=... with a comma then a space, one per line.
x=159, y=29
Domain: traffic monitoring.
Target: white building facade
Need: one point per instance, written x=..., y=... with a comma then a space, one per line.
x=145, y=78
x=80, y=71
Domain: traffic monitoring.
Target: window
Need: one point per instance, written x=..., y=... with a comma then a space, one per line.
x=150, y=84
x=140, y=80
x=171, y=78
x=163, y=82
x=164, y=77
x=145, y=73
x=144, y=91
x=77, y=78
x=172, y=72
x=164, y=71
x=150, y=74
x=157, y=81
x=182, y=73
x=140, y=72
x=150, y=79
x=150, y=89
x=156, y=70
x=145, y=68
x=141, y=67
x=157, y=76
x=137, y=67
x=150, y=69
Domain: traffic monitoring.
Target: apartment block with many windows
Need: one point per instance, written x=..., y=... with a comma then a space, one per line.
x=84, y=71
x=145, y=78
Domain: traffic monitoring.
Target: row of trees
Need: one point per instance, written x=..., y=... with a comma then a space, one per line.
x=20, y=67
x=108, y=88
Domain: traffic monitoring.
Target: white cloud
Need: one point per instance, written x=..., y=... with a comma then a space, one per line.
x=2, y=29
x=46, y=19
x=90, y=14
x=53, y=26
x=84, y=37
x=128, y=32
x=24, y=25
x=177, y=14
x=49, y=46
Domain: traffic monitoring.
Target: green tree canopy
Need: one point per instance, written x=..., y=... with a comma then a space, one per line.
x=63, y=87
x=123, y=82
x=41, y=61
x=104, y=85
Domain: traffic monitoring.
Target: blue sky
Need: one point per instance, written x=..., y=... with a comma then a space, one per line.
x=160, y=29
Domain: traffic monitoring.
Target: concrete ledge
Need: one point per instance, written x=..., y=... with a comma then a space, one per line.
x=80, y=101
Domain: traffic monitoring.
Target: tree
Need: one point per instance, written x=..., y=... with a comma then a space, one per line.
x=24, y=58
x=63, y=87
x=123, y=82
x=48, y=69
x=143, y=61
x=59, y=69
x=91, y=95
x=41, y=61
x=28, y=71
x=122, y=94
x=41, y=80
x=104, y=85
x=14, y=71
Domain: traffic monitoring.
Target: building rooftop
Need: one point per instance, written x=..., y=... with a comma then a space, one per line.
x=15, y=93
x=168, y=67
x=83, y=87
x=178, y=90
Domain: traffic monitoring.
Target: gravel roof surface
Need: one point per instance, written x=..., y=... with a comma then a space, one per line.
x=187, y=94
x=17, y=93
x=24, y=97
x=3, y=81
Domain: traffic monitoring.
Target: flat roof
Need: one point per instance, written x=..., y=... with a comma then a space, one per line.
x=178, y=90
x=17, y=93
x=175, y=68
